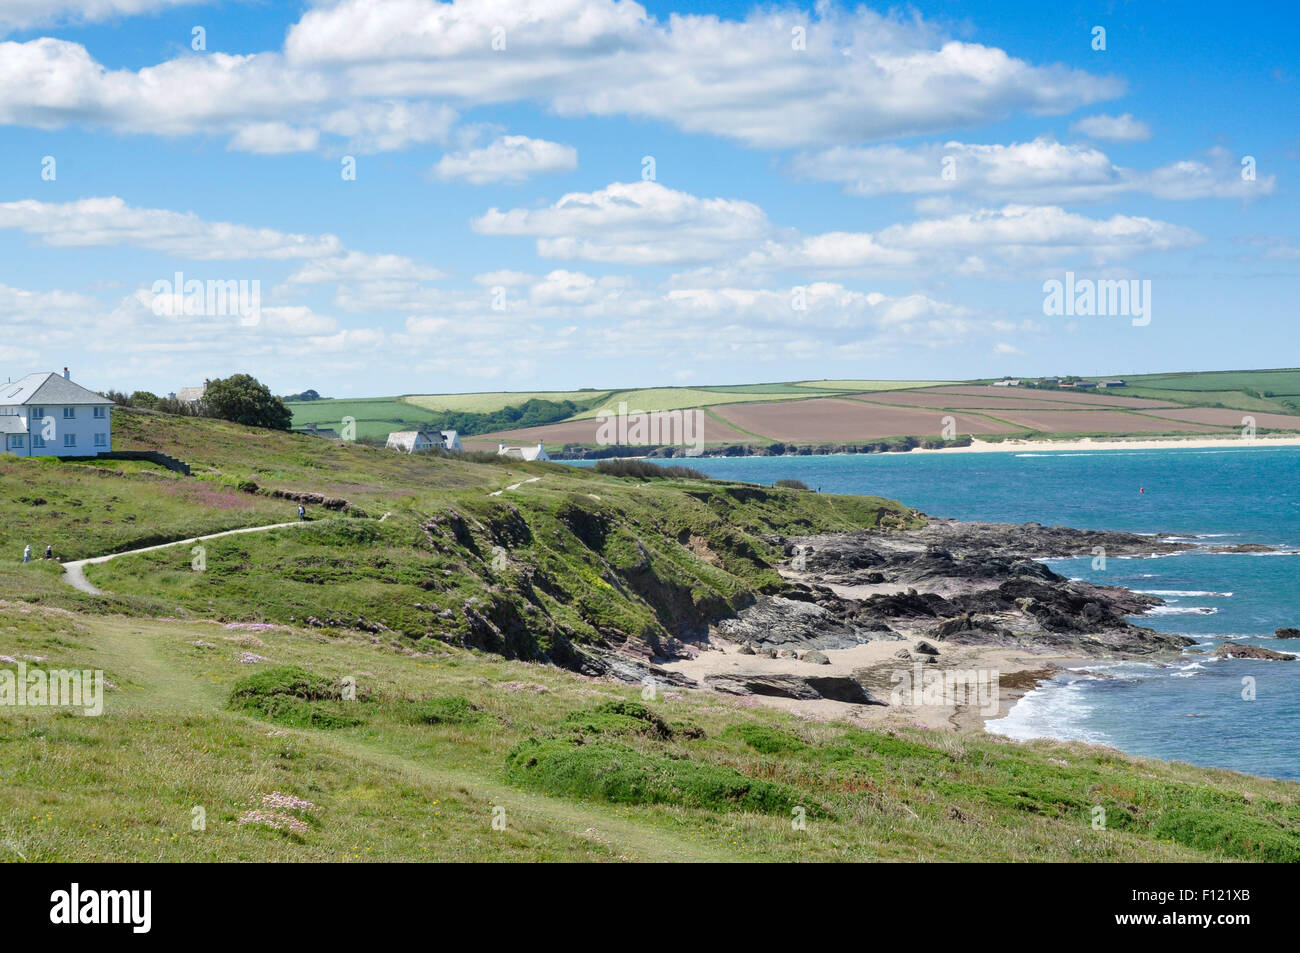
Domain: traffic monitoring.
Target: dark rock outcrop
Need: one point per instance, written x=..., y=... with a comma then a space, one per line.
x=839, y=688
x=1237, y=650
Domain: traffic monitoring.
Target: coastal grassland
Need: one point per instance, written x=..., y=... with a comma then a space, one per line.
x=439, y=740
x=529, y=573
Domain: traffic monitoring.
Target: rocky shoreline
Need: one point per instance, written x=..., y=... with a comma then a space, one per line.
x=860, y=608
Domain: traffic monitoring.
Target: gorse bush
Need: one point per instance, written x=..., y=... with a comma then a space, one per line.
x=793, y=484
x=293, y=696
x=645, y=470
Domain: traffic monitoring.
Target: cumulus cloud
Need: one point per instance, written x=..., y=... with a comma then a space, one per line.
x=351, y=68
x=19, y=14
x=508, y=159
x=1113, y=128
x=645, y=223
x=109, y=222
x=635, y=223
x=1042, y=170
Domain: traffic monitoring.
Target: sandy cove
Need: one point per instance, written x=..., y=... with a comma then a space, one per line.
x=1018, y=672
x=1116, y=443
x=875, y=609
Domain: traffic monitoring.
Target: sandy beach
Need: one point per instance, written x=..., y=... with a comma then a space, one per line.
x=1117, y=443
x=1017, y=672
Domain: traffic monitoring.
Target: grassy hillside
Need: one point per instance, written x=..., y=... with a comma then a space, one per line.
x=231, y=697
x=439, y=742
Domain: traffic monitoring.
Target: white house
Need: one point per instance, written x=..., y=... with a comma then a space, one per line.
x=409, y=441
x=45, y=415
x=523, y=453
x=1007, y=382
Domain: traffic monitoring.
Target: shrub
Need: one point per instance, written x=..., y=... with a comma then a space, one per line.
x=619, y=718
x=645, y=470
x=766, y=740
x=292, y=696
x=447, y=710
x=621, y=775
x=793, y=484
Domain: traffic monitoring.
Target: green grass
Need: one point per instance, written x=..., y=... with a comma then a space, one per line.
x=578, y=770
x=352, y=689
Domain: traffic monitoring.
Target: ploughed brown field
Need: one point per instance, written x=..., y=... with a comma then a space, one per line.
x=841, y=420
x=1095, y=398
x=977, y=409
x=1226, y=417
x=584, y=431
x=1100, y=421
x=923, y=398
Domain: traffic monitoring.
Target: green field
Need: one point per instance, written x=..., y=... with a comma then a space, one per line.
x=228, y=684
x=376, y=417
x=1276, y=390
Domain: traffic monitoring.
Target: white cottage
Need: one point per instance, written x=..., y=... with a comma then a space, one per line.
x=45, y=415
x=409, y=441
x=523, y=453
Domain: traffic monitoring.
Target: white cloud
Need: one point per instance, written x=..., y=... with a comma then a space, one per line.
x=360, y=266
x=645, y=223
x=1113, y=128
x=274, y=138
x=376, y=73
x=1042, y=170
x=638, y=223
x=110, y=222
x=19, y=14
x=508, y=159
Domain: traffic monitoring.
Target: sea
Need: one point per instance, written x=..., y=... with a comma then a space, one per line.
x=1229, y=713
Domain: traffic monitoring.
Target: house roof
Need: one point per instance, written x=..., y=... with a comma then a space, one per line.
x=11, y=423
x=47, y=388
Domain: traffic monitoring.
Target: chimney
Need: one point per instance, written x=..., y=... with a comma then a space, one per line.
x=540, y=446
x=66, y=376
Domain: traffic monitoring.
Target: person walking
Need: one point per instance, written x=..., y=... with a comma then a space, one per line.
x=27, y=553
x=49, y=552
x=302, y=512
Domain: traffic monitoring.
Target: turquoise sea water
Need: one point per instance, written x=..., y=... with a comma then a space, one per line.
x=1191, y=710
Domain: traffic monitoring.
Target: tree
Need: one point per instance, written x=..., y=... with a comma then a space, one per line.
x=243, y=399
x=305, y=395
x=145, y=399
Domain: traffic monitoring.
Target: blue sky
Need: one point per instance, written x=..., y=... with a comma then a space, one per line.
x=502, y=231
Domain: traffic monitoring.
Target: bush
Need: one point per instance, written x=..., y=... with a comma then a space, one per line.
x=292, y=696
x=621, y=775
x=619, y=718
x=793, y=484
x=766, y=740
x=447, y=710
x=645, y=470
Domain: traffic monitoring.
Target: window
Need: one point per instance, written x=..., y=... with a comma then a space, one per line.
x=38, y=442
x=69, y=439
x=15, y=441
x=101, y=412
x=69, y=413
x=101, y=440
x=37, y=413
